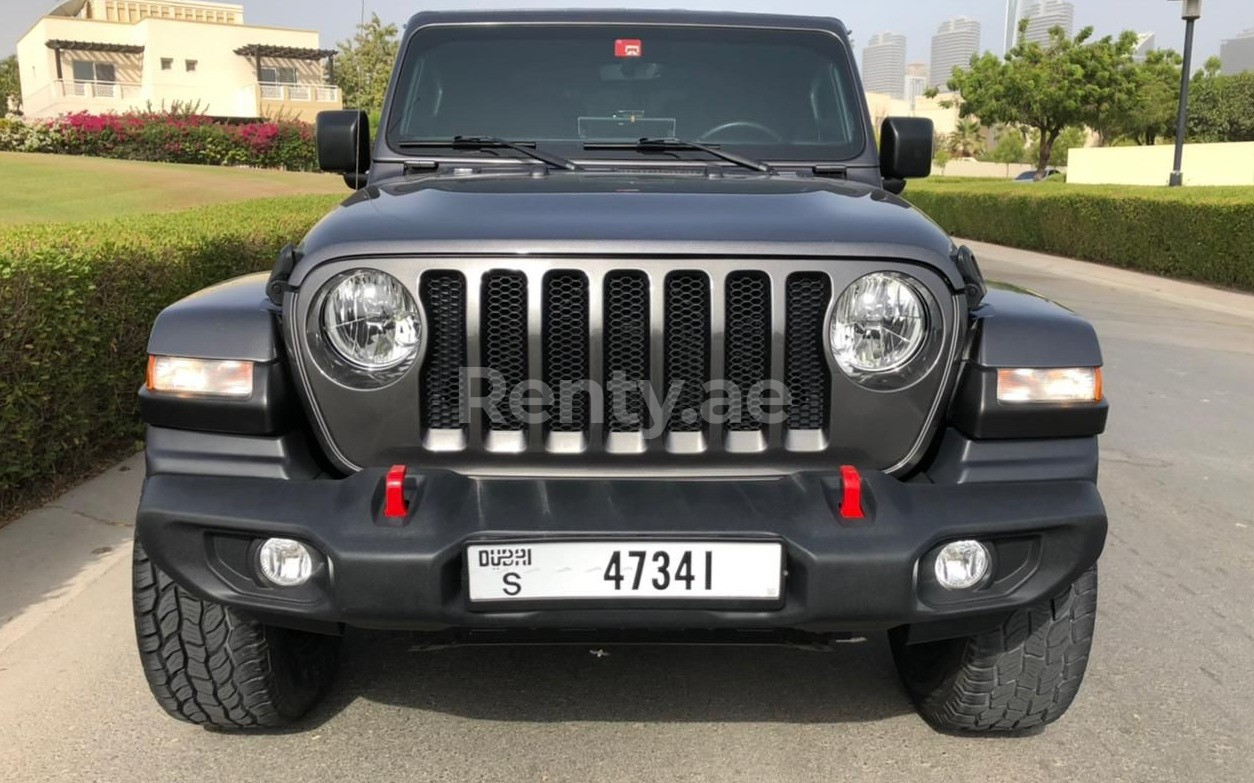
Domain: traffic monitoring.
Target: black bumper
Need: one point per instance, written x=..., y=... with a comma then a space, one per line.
x=842, y=575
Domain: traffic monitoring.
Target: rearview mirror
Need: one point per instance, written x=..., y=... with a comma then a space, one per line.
x=906, y=148
x=343, y=139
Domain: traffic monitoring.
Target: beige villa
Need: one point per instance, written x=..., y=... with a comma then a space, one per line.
x=117, y=55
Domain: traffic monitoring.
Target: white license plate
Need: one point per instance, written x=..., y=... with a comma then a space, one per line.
x=625, y=570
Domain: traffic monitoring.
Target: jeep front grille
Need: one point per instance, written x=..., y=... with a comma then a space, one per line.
x=616, y=329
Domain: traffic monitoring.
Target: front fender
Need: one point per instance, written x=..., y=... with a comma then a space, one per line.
x=1014, y=328
x=231, y=320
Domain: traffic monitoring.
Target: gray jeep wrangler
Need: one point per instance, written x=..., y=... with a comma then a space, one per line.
x=624, y=335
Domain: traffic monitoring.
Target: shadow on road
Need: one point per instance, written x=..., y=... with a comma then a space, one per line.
x=855, y=682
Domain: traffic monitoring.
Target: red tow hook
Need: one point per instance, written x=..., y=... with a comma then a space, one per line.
x=851, y=493
x=394, y=505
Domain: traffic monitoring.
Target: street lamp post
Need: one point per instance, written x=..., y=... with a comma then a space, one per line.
x=1191, y=11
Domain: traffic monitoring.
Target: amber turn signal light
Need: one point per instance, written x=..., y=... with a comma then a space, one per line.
x=178, y=375
x=1056, y=385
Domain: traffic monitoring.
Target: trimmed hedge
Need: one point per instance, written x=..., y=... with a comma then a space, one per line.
x=1201, y=234
x=78, y=302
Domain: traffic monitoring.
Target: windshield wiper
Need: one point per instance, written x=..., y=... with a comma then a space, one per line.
x=671, y=143
x=492, y=142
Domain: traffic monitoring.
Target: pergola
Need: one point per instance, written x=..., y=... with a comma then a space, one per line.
x=59, y=45
x=258, y=51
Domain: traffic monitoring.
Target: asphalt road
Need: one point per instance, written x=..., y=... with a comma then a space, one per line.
x=1169, y=694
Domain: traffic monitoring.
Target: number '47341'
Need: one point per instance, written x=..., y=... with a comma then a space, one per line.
x=664, y=572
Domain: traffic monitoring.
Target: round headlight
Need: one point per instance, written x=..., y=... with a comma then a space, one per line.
x=879, y=325
x=370, y=320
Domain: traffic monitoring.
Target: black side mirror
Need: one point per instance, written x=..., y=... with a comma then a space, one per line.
x=343, y=139
x=906, y=148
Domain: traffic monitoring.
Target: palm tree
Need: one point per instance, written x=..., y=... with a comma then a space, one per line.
x=967, y=140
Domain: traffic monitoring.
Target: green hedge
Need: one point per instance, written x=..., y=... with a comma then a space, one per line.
x=1202, y=234
x=78, y=301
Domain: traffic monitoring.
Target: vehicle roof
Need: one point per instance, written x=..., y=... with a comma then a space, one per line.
x=629, y=16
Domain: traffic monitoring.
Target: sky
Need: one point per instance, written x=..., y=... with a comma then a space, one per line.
x=916, y=19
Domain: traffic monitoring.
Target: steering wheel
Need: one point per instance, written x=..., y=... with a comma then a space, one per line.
x=756, y=127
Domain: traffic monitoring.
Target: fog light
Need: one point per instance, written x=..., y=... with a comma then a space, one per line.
x=962, y=564
x=285, y=562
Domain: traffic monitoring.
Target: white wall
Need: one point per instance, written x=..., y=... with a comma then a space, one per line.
x=983, y=169
x=1204, y=164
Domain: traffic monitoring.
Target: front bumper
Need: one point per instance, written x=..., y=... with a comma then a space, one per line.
x=842, y=575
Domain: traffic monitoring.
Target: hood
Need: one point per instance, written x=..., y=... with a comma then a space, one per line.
x=608, y=213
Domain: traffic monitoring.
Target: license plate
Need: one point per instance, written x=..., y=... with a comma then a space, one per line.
x=625, y=570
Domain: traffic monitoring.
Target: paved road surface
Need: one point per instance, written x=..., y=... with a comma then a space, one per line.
x=1170, y=692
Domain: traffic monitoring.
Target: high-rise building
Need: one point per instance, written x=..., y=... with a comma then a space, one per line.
x=884, y=64
x=1237, y=54
x=952, y=47
x=1044, y=15
x=916, y=81
x=1014, y=12
x=1144, y=45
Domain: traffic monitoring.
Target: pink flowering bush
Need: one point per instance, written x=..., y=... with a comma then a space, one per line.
x=168, y=138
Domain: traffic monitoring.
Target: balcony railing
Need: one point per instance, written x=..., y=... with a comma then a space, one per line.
x=300, y=93
x=104, y=90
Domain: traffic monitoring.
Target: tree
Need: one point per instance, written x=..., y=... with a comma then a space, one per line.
x=1049, y=88
x=1221, y=108
x=1150, y=112
x=1011, y=147
x=10, y=87
x=1068, y=140
x=364, y=65
x=967, y=140
x=941, y=158
x=1071, y=139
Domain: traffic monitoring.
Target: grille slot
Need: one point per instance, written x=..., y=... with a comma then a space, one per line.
x=748, y=346
x=566, y=349
x=443, y=384
x=504, y=335
x=806, y=372
x=626, y=350
x=687, y=347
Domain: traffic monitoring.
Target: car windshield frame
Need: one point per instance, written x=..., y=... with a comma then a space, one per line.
x=850, y=104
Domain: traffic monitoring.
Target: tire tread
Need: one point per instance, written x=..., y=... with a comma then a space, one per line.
x=206, y=664
x=1018, y=677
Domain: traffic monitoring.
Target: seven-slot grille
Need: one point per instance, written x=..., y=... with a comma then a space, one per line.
x=622, y=332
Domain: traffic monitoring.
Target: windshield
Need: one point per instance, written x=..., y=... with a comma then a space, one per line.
x=775, y=94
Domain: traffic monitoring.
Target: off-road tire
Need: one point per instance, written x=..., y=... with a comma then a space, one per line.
x=209, y=665
x=1017, y=678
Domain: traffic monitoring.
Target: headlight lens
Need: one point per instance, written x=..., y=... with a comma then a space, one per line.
x=370, y=320
x=880, y=324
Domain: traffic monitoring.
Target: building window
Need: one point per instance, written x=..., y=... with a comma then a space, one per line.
x=191, y=65
x=278, y=75
x=88, y=71
x=167, y=63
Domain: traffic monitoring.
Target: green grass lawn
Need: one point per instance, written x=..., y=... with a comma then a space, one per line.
x=63, y=188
